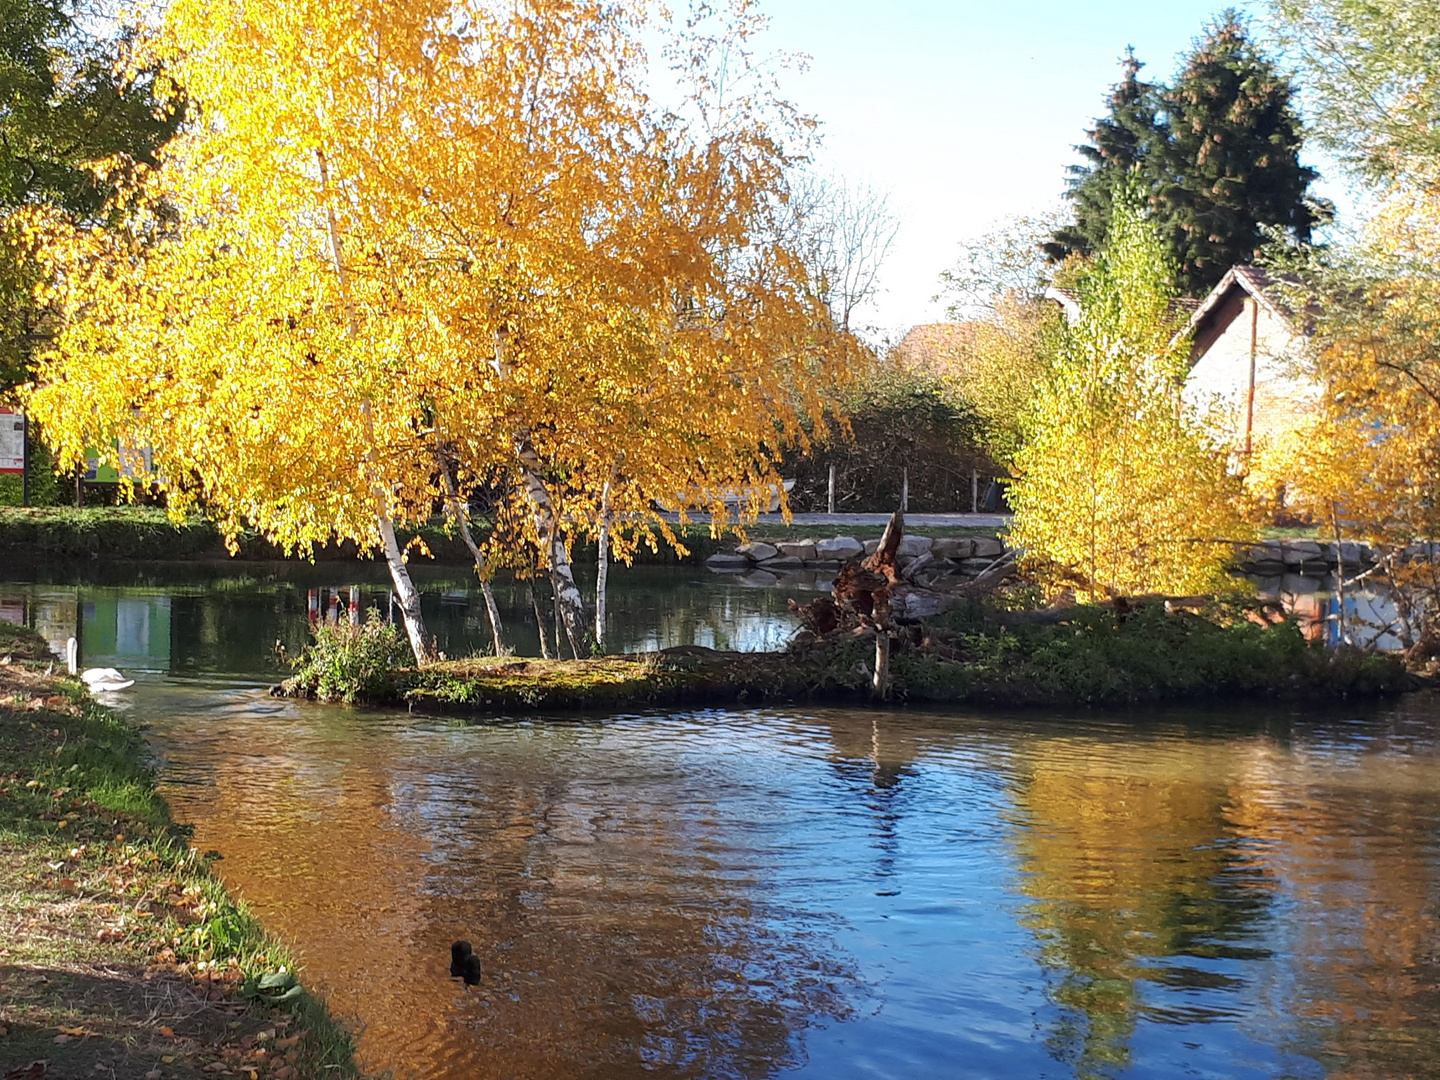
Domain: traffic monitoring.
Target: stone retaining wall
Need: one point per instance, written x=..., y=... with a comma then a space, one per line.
x=969, y=556
x=950, y=556
x=1312, y=557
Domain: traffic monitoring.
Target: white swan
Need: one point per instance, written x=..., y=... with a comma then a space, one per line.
x=102, y=679
x=99, y=679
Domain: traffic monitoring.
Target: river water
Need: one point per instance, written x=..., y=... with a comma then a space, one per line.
x=1250, y=891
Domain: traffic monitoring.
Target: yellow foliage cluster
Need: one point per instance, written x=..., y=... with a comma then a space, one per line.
x=403, y=239
x=1368, y=466
x=1118, y=490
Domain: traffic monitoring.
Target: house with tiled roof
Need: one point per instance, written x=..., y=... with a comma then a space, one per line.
x=941, y=348
x=1245, y=357
x=1246, y=350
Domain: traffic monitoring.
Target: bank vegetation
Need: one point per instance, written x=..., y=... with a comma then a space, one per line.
x=120, y=950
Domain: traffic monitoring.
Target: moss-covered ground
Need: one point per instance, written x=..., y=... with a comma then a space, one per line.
x=121, y=954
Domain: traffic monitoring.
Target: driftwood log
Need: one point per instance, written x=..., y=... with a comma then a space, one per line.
x=871, y=595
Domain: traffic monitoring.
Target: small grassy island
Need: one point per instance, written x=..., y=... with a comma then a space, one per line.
x=118, y=946
x=1096, y=656
x=959, y=644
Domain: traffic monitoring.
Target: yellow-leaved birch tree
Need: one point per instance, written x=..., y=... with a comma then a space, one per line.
x=1366, y=466
x=1118, y=491
x=397, y=233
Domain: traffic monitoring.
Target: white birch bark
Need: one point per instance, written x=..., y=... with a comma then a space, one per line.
x=602, y=575
x=405, y=590
x=540, y=626
x=568, y=601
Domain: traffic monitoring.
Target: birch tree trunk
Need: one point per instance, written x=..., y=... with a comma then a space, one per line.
x=459, y=513
x=405, y=590
x=540, y=626
x=568, y=601
x=602, y=574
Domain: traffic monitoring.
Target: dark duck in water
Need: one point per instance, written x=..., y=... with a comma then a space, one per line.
x=464, y=963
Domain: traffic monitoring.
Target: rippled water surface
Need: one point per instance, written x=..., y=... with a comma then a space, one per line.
x=838, y=893
x=1246, y=892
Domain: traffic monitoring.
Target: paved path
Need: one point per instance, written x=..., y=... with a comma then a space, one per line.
x=912, y=521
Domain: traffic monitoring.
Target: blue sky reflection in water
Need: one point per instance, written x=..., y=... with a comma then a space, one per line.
x=1239, y=892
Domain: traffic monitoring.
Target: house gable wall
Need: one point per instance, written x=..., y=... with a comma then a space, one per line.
x=1220, y=372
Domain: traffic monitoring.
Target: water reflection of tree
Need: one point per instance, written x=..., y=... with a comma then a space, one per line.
x=1350, y=828
x=621, y=932
x=1135, y=876
x=654, y=952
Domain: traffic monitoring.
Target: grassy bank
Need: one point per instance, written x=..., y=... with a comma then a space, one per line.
x=120, y=952
x=1094, y=657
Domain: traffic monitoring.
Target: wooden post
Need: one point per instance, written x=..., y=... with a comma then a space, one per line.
x=879, y=685
x=1340, y=627
x=1250, y=394
x=974, y=491
x=832, y=488
x=24, y=459
x=905, y=490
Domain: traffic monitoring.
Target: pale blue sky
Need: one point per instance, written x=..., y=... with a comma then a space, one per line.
x=964, y=111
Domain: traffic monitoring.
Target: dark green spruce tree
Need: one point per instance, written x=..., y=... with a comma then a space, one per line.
x=1232, y=164
x=1125, y=140
x=61, y=105
x=1218, y=155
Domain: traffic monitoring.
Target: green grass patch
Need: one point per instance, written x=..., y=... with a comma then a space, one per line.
x=1102, y=657
x=119, y=948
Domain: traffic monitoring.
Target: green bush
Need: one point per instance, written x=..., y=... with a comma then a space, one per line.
x=45, y=484
x=1102, y=657
x=353, y=663
x=899, y=419
x=119, y=532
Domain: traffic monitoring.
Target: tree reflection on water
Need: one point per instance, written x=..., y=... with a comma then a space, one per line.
x=1136, y=875
x=617, y=933
x=1286, y=889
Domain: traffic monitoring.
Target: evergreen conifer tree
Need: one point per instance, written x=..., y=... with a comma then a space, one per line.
x=1217, y=156
x=1232, y=158
x=1125, y=140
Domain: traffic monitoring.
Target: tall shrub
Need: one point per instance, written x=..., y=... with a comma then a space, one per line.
x=1119, y=491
